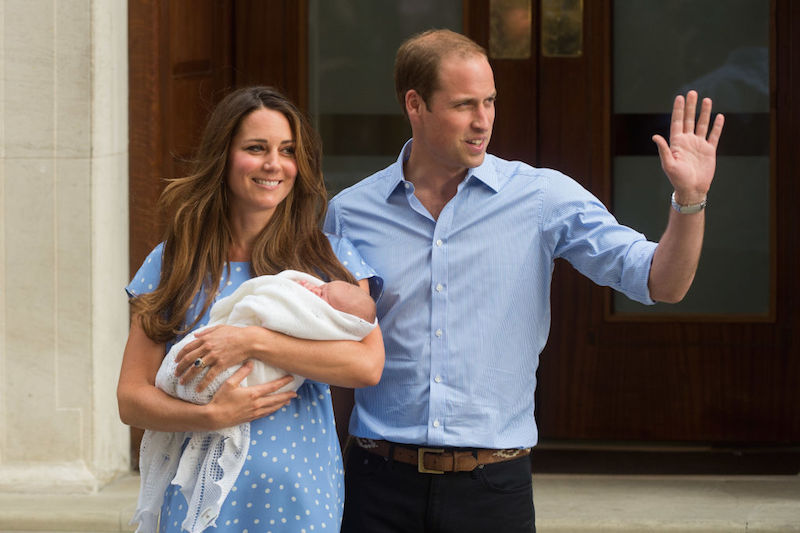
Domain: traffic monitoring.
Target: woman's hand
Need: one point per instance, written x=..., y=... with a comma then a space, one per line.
x=143, y=405
x=342, y=362
x=233, y=404
x=217, y=348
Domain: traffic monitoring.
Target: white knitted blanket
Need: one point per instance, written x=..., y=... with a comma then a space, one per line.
x=211, y=461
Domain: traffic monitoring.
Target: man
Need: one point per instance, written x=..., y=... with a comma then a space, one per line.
x=465, y=243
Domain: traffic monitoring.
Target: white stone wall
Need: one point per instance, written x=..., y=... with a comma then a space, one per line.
x=63, y=242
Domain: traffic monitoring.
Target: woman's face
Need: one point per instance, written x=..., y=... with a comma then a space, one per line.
x=262, y=167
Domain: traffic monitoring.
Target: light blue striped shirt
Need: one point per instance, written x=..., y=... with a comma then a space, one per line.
x=465, y=310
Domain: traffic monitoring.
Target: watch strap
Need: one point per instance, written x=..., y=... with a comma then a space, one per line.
x=686, y=209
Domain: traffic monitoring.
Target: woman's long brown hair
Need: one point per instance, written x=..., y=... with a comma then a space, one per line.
x=197, y=236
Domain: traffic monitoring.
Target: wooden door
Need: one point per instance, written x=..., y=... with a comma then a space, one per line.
x=604, y=376
x=608, y=376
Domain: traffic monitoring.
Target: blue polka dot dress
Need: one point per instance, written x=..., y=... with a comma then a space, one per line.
x=292, y=479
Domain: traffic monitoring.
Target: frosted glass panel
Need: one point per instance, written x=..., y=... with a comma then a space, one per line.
x=665, y=47
x=352, y=44
x=721, y=49
x=733, y=276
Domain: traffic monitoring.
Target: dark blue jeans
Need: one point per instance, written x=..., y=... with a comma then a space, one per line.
x=383, y=496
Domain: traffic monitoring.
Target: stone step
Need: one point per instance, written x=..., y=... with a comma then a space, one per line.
x=564, y=504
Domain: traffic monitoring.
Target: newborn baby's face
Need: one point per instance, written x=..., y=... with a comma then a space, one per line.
x=344, y=297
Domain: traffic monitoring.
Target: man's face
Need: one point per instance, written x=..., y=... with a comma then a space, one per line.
x=452, y=132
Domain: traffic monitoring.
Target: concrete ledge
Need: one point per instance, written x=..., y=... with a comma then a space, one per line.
x=106, y=511
x=564, y=503
x=666, y=503
x=52, y=478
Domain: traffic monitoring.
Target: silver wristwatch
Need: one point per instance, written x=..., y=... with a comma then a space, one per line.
x=687, y=209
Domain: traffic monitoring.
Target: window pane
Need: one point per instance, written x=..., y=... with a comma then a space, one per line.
x=352, y=44
x=721, y=49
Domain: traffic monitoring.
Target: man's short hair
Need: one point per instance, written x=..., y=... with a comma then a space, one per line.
x=416, y=64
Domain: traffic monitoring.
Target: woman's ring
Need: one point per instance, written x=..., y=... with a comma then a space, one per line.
x=199, y=363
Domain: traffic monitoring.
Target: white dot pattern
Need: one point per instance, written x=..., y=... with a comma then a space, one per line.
x=292, y=479
x=277, y=484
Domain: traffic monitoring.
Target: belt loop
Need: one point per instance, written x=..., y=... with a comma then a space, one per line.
x=478, y=468
x=391, y=455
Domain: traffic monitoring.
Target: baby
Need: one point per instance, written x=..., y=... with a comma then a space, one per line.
x=285, y=303
x=344, y=297
x=293, y=303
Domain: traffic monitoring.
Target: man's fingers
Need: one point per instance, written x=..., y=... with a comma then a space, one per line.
x=676, y=125
x=663, y=148
x=689, y=112
x=716, y=131
x=705, y=118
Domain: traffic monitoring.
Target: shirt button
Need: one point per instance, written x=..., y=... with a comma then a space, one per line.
x=439, y=287
x=438, y=379
x=438, y=333
x=406, y=185
x=436, y=423
x=439, y=242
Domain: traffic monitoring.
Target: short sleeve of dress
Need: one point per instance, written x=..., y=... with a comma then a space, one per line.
x=148, y=275
x=352, y=260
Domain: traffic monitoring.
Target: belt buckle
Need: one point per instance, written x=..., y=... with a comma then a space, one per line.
x=421, y=460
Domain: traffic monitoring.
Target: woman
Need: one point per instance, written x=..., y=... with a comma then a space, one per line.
x=252, y=206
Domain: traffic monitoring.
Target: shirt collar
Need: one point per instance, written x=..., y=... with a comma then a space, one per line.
x=396, y=177
x=485, y=173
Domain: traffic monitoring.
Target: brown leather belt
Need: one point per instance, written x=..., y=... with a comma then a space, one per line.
x=440, y=460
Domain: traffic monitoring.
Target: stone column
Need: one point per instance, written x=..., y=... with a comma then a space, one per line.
x=63, y=242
